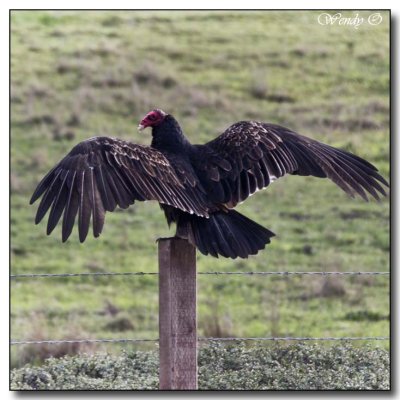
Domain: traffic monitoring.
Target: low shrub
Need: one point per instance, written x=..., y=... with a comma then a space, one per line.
x=221, y=367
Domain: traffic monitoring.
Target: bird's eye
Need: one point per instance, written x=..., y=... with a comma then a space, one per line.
x=152, y=117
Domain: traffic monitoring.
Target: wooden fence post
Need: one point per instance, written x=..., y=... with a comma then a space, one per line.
x=177, y=314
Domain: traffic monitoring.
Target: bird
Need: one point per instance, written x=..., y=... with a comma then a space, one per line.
x=197, y=186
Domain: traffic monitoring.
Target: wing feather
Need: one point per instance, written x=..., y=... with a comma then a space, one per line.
x=85, y=207
x=97, y=205
x=44, y=184
x=71, y=208
x=48, y=198
x=101, y=173
x=106, y=194
x=117, y=188
x=259, y=153
x=59, y=203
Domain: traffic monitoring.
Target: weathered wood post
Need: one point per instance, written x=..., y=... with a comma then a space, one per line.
x=177, y=314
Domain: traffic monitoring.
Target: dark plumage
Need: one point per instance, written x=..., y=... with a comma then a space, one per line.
x=197, y=186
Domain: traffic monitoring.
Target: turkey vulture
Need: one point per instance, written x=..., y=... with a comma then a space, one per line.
x=197, y=186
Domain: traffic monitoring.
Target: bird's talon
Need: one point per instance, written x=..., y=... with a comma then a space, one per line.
x=162, y=238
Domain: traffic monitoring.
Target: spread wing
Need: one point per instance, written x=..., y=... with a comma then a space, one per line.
x=101, y=173
x=250, y=155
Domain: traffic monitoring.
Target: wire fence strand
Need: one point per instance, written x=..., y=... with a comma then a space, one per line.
x=283, y=273
x=54, y=341
x=213, y=339
x=203, y=339
x=297, y=338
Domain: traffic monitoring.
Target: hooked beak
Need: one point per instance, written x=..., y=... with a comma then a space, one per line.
x=141, y=127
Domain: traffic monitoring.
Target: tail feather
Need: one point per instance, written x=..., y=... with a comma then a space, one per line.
x=222, y=245
x=235, y=240
x=228, y=234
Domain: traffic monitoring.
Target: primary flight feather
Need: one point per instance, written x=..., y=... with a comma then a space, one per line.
x=197, y=186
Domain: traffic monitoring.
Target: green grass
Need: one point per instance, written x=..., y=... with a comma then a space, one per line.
x=82, y=74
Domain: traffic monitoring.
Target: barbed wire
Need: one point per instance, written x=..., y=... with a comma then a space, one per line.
x=55, y=341
x=295, y=273
x=289, y=338
x=214, y=339
x=284, y=273
x=65, y=275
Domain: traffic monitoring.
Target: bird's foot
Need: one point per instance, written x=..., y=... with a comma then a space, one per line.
x=172, y=237
x=164, y=238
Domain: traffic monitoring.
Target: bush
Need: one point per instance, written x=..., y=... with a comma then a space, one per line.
x=221, y=367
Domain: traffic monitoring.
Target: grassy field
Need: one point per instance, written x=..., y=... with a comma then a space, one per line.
x=82, y=74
